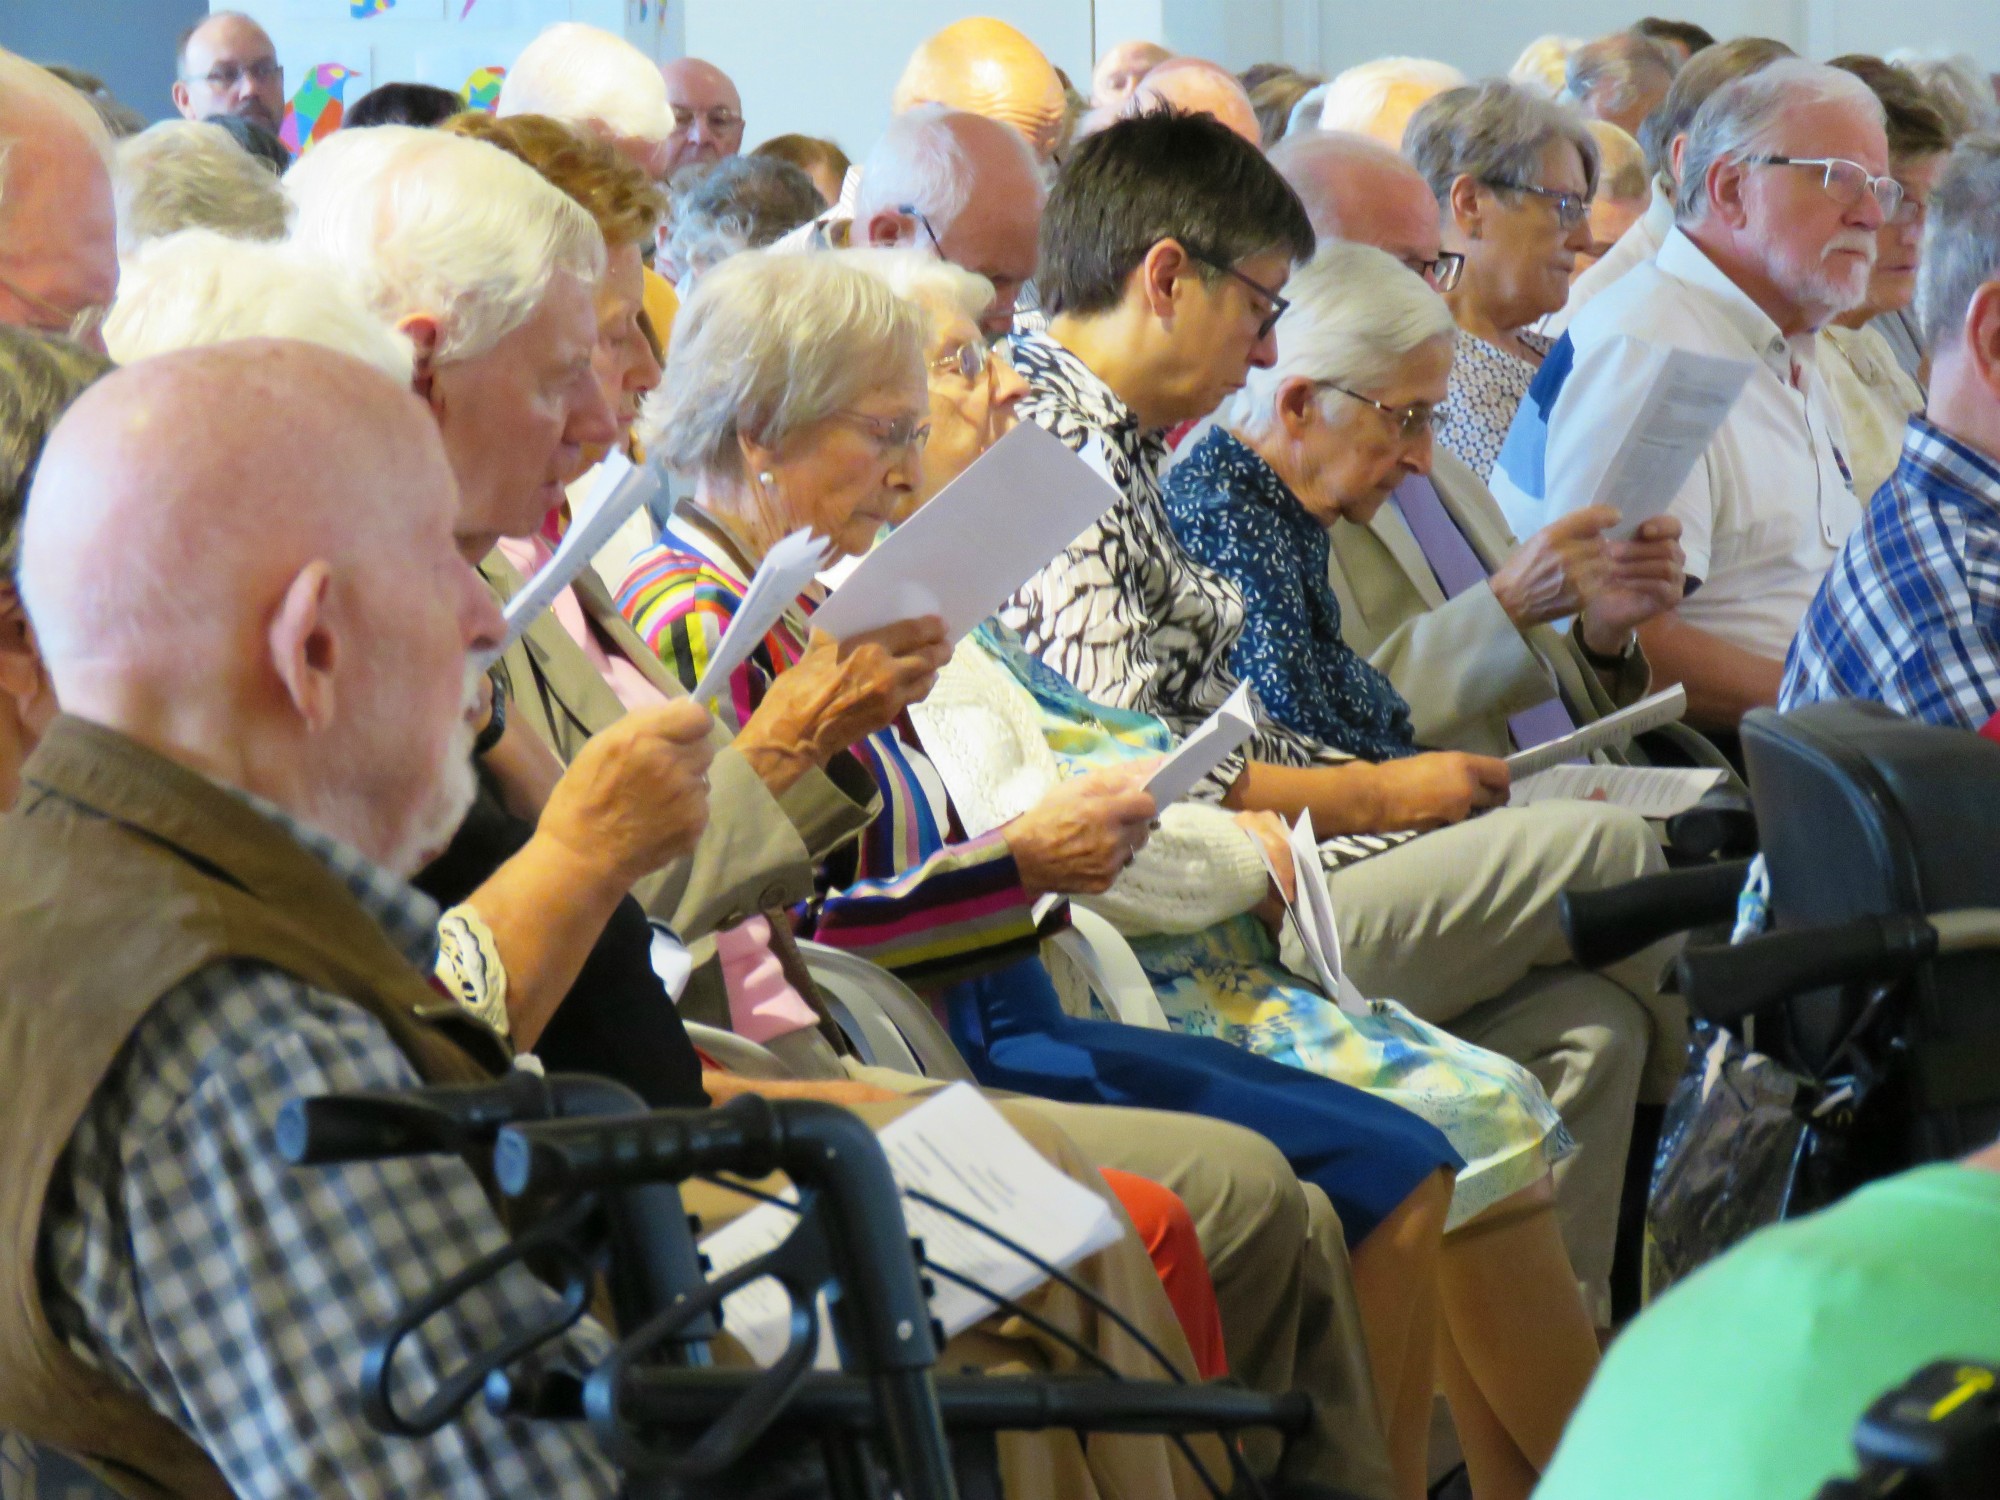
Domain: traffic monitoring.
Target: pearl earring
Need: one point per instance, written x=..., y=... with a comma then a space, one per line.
x=766, y=477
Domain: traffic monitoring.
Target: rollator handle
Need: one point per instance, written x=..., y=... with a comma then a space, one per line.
x=1724, y=984
x=1605, y=926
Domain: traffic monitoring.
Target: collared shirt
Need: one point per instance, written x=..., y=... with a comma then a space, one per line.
x=1764, y=512
x=236, y=1294
x=1124, y=613
x=1876, y=400
x=1910, y=614
x=1231, y=510
x=1639, y=243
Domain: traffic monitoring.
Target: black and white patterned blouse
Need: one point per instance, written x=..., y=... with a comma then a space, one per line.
x=1125, y=613
x=1487, y=385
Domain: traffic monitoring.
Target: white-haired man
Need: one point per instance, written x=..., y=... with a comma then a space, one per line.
x=1784, y=182
x=1376, y=99
x=1467, y=636
x=597, y=81
x=228, y=65
x=58, y=226
x=960, y=185
x=708, y=114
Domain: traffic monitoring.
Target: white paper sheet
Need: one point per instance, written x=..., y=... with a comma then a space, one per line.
x=1613, y=729
x=620, y=490
x=788, y=567
x=1311, y=912
x=1201, y=752
x=958, y=1148
x=978, y=539
x=1650, y=791
x=1679, y=402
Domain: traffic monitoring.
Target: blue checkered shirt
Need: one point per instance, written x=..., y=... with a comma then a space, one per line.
x=1909, y=615
x=235, y=1294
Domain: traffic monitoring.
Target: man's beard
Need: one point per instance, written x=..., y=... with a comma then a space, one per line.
x=1820, y=290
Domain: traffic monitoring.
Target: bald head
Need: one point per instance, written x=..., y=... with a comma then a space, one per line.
x=987, y=67
x=708, y=113
x=1359, y=190
x=242, y=556
x=229, y=66
x=1197, y=87
x=58, y=226
x=1118, y=72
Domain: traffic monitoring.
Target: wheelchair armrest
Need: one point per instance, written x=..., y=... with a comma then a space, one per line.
x=1723, y=825
x=1616, y=922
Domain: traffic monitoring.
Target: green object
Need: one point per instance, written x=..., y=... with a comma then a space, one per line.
x=1746, y=1381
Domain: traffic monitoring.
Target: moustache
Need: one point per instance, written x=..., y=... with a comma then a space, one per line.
x=1853, y=242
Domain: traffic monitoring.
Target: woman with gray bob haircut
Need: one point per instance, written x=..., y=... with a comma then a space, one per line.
x=1514, y=176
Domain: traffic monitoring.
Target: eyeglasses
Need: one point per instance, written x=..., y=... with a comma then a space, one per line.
x=718, y=121
x=1442, y=273
x=1412, y=421
x=1912, y=210
x=916, y=213
x=78, y=326
x=891, y=434
x=1278, y=304
x=1571, y=208
x=228, y=75
x=1845, y=181
x=969, y=362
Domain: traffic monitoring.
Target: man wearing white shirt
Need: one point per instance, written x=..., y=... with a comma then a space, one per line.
x=1662, y=131
x=1783, y=185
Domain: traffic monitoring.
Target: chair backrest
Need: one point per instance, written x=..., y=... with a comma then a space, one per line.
x=1109, y=966
x=735, y=1054
x=1865, y=813
x=885, y=1021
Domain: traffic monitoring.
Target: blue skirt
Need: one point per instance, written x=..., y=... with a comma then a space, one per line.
x=1365, y=1153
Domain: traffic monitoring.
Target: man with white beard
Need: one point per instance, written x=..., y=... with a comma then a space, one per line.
x=1784, y=181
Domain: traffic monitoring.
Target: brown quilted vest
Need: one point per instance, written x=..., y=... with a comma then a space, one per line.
x=121, y=875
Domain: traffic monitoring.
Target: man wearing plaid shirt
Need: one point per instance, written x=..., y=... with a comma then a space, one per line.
x=1909, y=614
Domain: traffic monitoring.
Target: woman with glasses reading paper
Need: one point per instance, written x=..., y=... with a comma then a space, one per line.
x=1514, y=177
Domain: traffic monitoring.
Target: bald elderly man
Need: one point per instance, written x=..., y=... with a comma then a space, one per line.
x=708, y=114
x=58, y=222
x=241, y=792
x=1469, y=658
x=228, y=65
x=1118, y=72
x=1195, y=86
x=987, y=67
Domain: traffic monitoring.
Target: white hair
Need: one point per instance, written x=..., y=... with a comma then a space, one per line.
x=1958, y=85
x=1358, y=97
x=581, y=75
x=920, y=277
x=769, y=344
x=423, y=222
x=1747, y=116
x=920, y=163
x=29, y=96
x=1356, y=314
x=181, y=174
x=198, y=287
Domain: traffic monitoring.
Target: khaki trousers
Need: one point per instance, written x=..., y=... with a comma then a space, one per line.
x=1461, y=926
x=1277, y=1254
x=1056, y=1465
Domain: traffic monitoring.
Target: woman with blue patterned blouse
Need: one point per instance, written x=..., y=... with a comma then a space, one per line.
x=1290, y=458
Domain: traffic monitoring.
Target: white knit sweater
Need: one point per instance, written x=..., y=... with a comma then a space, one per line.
x=982, y=732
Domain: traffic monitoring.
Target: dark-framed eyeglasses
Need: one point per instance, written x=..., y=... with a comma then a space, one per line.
x=1278, y=304
x=228, y=75
x=1571, y=208
x=1845, y=181
x=929, y=233
x=720, y=120
x=1412, y=421
x=891, y=434
x=969, y=361
x=1443, y=272
x=78, y=326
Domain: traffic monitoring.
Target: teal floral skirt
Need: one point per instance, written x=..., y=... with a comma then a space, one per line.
x=1227, y=982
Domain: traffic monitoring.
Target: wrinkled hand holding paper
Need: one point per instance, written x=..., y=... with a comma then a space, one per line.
x=959, y=1149
x=976, y=541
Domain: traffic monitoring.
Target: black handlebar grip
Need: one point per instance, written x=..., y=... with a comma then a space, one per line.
x=404, y=1122
x=1727, y=983
x=1604, y=926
